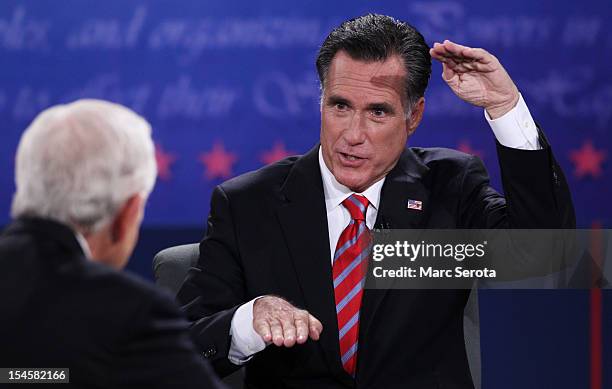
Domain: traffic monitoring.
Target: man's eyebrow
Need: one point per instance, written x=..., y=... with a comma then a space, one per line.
x=336, y=99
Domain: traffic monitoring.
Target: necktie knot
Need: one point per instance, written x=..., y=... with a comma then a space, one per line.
x=357, y=206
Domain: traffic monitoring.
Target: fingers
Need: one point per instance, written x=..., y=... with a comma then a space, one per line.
x=450, y=69
x=460, y=51
x=315, y=327
x=277, y=332
x=456, y=49
x=279, y=322
x=461, y=66
x=301, y=326
x=438, y=52
x=447, y=72
x=477, y=54
x=441, y=52
x=288, y=333
x=262, y=327
x=281, y=332
x=460, y=54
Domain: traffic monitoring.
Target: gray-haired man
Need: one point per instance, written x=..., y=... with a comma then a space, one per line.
x=83, y=174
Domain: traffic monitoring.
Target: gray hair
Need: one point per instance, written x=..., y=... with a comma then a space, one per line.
x=79, y=163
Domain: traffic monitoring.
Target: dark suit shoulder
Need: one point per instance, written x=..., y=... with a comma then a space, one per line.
x=444, y=170
x=124, y=286
x=259, y=185
x=432, y=156
x=273, y=174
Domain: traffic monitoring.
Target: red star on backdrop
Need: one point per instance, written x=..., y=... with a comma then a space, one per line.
x=277, y=153
x=218, y=162
x=587, y=160
x=164, y=160
x=466, y=147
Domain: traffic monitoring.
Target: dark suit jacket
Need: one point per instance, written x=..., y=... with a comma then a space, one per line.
x=267, y=234
x=112, y=330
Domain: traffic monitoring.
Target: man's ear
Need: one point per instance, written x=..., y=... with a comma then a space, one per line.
x=414, y=119
x=128, y=214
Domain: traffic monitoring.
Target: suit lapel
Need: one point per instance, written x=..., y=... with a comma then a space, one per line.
x=406, y=181
x=303, y=220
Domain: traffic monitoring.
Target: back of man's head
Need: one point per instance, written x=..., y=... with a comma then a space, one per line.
x=80, y=163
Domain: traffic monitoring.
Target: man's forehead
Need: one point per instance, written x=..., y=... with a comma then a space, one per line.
x=392, y=66
x=387, y=74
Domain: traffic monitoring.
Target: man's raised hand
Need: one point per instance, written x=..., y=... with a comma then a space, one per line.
x=476, y=76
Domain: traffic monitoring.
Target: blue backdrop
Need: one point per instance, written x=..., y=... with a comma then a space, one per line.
x=229, y=86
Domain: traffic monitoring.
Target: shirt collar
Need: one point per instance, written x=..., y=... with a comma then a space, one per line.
x=83, y=242
x=336, y=193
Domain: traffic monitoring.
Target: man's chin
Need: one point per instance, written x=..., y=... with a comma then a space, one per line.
x=356, y=185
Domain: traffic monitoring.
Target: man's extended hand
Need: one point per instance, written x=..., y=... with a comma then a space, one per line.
x=477, y=77
x=276, y=320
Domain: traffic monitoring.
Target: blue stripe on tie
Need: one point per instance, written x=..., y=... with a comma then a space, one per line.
x=349, y=353
x=356, y=262
x=358, y=204
x=347, y=327
x=349, y=243
x=348, y=297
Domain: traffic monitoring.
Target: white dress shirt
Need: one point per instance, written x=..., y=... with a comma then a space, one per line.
x=246, y=342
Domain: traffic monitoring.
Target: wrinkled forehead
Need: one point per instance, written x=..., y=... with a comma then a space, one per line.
x=388, y=76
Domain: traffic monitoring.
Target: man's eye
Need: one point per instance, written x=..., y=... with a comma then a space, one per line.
x=340, y=106
x=379, y=113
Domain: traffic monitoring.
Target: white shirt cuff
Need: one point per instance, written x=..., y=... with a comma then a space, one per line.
x=516, y=129
x=245, y=341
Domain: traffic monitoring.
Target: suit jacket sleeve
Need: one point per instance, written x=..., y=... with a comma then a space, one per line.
x=536, y=192
x=222, y=283
x=157, y=350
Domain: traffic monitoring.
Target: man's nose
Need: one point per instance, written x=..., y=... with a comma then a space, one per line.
x=355, y=133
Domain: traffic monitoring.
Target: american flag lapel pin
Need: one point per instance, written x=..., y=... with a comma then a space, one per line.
x=414, y=204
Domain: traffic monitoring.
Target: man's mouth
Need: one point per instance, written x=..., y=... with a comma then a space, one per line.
x=351, y=156
x=351, y=159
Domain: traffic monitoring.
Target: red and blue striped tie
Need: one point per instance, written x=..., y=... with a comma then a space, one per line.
x=350, y=264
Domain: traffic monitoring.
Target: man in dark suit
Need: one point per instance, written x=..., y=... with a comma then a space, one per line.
x=279, y=286
x=83, y=173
